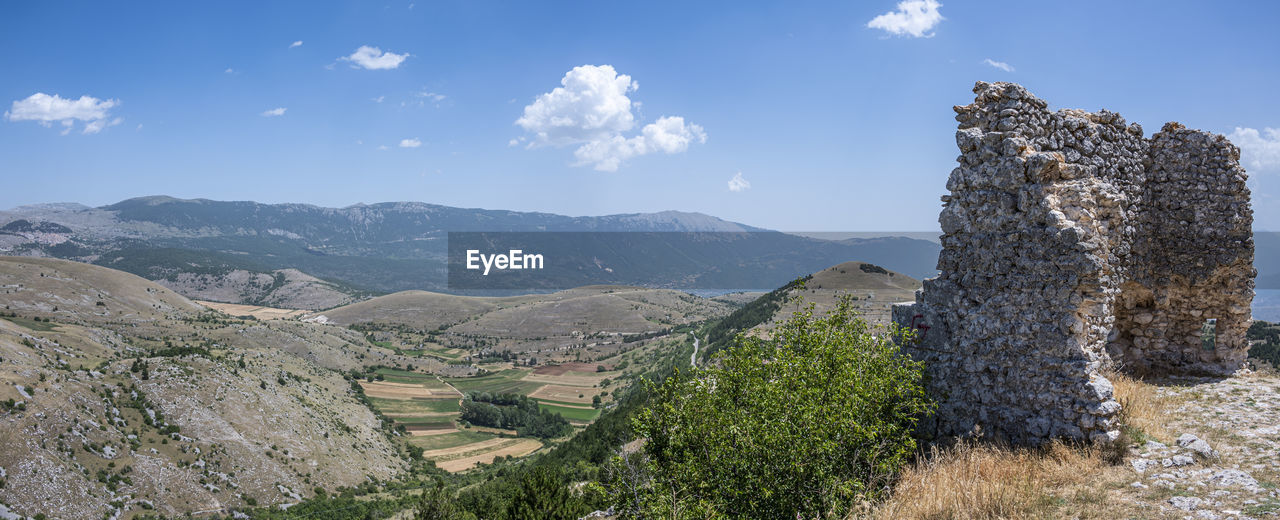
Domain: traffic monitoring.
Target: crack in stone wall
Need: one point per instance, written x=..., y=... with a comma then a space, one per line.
x=1071, y=244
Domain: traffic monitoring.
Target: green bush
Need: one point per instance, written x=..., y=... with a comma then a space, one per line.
x=807, y=424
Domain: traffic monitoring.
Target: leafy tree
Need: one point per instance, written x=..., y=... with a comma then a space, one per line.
x=543, y=495
x=806, y=423
x=436, y=504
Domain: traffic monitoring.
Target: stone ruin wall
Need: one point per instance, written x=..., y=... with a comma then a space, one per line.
x=1073, y=244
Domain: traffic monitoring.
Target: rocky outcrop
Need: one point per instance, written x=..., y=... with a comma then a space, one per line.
x=1072, y=243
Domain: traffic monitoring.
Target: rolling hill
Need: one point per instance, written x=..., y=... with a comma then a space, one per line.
x=873, y=288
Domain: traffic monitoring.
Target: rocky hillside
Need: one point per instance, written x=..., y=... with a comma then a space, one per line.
x=119, y=396
x=558, y=322
x=286, y=288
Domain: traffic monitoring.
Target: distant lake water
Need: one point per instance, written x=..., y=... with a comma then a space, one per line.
x=1266, y=305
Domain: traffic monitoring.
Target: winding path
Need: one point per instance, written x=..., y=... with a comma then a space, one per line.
x=693, y=359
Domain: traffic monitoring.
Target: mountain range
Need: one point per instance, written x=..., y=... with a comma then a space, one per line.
x=238, y=249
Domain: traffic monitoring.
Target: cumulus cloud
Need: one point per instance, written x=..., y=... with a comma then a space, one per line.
x=737, y=183
x=591, y=109
x=373, y=58
x=410, y=143
x=46, y=110
x=1259, y=150
x=295, y=44
x=275, y=112
x=915, y=18
x=998, y=64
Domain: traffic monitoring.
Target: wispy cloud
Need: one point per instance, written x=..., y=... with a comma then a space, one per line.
x=295, y=44
x=410, y=143
x=915, y=18
x=998, y=64
x=372, y=58
x=738, y=184
x=275, y=112
x=46, y=110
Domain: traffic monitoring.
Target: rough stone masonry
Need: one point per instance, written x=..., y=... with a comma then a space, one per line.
x=1072, y=244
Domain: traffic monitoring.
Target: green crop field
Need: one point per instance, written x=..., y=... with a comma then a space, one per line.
x=40, y=326
x=566, y=404
x=449, y=440
x=572, y=414
x=409, y=406
x=405, y=376
x=504, y=382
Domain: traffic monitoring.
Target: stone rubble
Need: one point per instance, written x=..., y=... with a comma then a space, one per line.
x=1240, y=480
x=1071, y=244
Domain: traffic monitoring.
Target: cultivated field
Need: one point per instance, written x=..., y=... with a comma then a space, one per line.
x=461, y=459
x=428, y=408
x=259, y=312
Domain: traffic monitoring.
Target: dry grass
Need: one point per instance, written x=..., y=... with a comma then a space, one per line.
x=1143, y=411
x=974, y=480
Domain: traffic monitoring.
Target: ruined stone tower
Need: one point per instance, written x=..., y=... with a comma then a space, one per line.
x=1072, y=243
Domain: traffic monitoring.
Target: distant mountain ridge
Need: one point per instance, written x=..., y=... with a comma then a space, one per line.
x=391, y=246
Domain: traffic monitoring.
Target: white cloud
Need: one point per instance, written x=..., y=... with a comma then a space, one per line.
x=275, y=112
x=410, y=143
x=373, y=58
x=432, y=96
x=46, y=110
x=668, y=135
x=295, y=44
x=383, y=147
x=591, y=109
x=379, y=99
x=1258, y=150
x=916, y=18
x=229, y=71
x=737, y=183
x=671, y=135
x=998, y=64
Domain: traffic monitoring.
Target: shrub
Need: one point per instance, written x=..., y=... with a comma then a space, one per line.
x=807, y=424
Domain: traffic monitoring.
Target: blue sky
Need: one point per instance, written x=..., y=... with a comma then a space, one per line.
x=797, y=116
